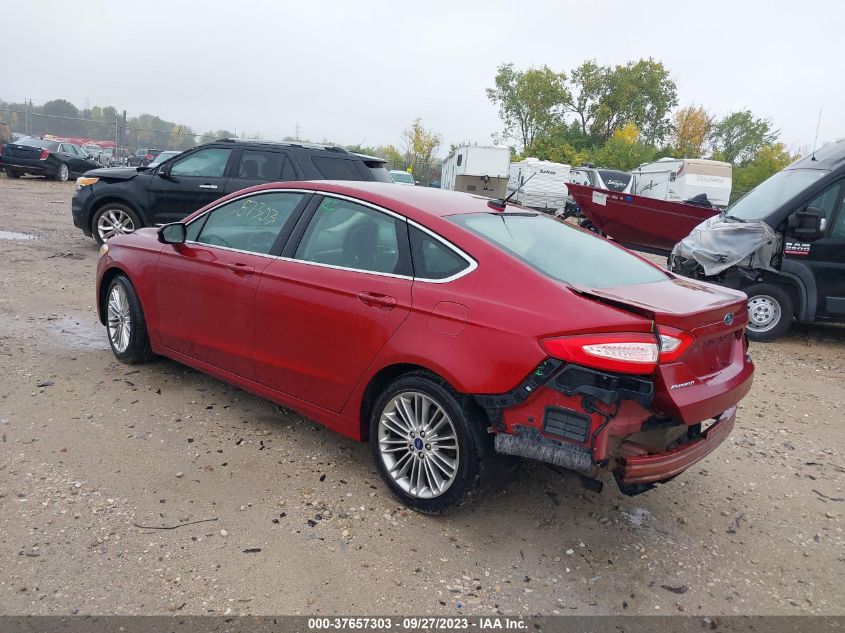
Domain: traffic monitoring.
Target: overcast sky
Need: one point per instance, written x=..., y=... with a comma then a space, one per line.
x=360, y=71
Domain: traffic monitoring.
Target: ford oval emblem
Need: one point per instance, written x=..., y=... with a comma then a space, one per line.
x=729, y=318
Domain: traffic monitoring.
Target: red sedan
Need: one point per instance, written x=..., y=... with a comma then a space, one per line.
x=452, y=333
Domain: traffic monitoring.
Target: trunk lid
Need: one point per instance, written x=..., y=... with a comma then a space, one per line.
x=714, y=372
x=12, y=150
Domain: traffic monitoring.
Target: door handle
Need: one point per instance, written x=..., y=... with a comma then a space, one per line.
x=241, y=269
x=377, y=300
x=208, y=186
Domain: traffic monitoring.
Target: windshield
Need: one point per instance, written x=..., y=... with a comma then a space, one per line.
x=402, y=176
x=561, y=251
x=772, y=193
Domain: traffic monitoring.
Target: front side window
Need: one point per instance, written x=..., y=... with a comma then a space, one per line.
x=350, y=235
x=433, y=259
x=208, y=163
x=826, y=202
x=248, y=224
x=561, y=251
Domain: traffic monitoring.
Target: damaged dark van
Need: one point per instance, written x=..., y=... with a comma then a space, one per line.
x=783, y=244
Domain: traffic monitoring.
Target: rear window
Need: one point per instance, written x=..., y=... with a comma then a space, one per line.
x=379, y=172
x=561, y=251
x=34, y=142
x=336, y=168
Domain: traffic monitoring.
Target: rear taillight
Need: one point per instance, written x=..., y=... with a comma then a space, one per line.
x=673, y=343
x=1, y=150
x=44, y=154
x=149, y=156
x=628, y=352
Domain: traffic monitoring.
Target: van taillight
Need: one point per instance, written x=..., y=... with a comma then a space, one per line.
x=44, y=154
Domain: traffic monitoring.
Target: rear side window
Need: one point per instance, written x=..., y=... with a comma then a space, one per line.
x=350, y=235
x=257, y=165
x=336, y=168
x=433, y=259
x=561, y=251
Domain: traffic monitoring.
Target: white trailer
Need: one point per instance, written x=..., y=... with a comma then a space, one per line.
x=477, y=169
x=681, y=179
x=543, y=184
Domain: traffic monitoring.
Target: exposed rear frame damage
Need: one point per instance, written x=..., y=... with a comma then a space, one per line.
x=593, y=422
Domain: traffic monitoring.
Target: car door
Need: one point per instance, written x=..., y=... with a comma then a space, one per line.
x=826, y=256
x=67, y=154
x=83, y=162
x=205, y=288
x=326, y=308
x=189, y=183
x=255, y=167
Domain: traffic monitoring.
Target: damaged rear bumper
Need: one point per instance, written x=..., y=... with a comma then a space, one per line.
x=637, y=466
x=592, y=422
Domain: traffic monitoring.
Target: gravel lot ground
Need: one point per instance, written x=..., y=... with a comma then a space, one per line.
x=297, y=521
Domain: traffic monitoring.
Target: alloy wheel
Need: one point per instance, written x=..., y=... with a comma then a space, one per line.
x=64, y=174
x=114, y=222
x=418, y=445
x=119, y=320
x=763, y=313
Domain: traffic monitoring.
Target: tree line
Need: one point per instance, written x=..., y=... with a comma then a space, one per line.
x=624, y=115
x=60, y=117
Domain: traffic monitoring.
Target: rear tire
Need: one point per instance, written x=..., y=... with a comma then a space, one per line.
x=428, y=444
x=770, y=312
x=63, y=174
x=125, y=324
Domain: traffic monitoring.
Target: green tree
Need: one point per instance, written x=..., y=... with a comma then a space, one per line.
x=625, y=150
x=529, y=101
x=739, y=136
x=420, y=146
x=603, y=99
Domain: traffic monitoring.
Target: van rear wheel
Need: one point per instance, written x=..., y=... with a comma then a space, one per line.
x=770, y=312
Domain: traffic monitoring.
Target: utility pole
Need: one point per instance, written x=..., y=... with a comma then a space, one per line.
x=28, y=118
x=296, y=134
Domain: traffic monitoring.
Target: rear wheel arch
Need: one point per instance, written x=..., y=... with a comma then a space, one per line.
x=389, y=374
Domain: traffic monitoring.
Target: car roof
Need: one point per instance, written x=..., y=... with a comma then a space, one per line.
x=415, y=202
x=827, y=157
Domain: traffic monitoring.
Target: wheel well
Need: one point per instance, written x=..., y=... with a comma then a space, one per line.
x=110, y=274
x=788, y=286
x=109, y=200
x=388, y=374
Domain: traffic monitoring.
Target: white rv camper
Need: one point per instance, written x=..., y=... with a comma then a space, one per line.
x=543, y=184
x=681, y=179
x=479, y=170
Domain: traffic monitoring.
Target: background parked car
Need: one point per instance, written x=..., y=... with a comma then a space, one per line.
x=402, y=177
x=163, y=157
x=110, y=202
x=143, y=157
x=53, y=159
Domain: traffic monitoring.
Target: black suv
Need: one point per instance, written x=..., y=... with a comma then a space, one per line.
x=119, y=200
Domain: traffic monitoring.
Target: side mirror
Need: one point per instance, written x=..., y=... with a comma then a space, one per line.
x=174, y=233
x=807, y=224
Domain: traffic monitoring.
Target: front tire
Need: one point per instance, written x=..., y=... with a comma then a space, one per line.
x=427, y=445
x=770, y=312
x=127, y=329
x=113, y=219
